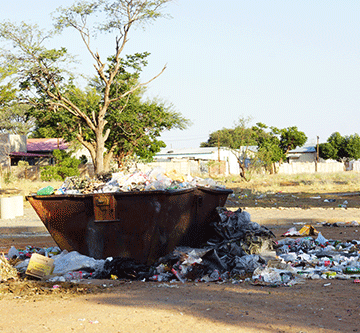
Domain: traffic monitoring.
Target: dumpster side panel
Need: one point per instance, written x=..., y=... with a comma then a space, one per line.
x=200, y=230
x=65, y=218
x=176, y=219
x=132, y=233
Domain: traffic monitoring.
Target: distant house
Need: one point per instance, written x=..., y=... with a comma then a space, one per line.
x=302, y=154
x=15, y=148
x=46, y=146
x=11, y=145
x=205, y=155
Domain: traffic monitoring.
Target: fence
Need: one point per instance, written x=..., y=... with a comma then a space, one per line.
x=309, y=167
x=197, y=167
x=354, y=166
x=187, y=167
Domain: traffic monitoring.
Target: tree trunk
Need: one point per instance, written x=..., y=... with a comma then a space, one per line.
x=99, y=153
x=242, y=171
x=107, y=159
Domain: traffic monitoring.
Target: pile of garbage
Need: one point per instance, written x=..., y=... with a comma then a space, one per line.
x=242, y=250
x=154, y=180
x=234, y=251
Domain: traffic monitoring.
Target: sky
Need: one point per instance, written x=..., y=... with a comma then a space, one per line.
x=282, y=63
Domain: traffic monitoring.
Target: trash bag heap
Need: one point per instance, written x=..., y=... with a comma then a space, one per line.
x=230, y=255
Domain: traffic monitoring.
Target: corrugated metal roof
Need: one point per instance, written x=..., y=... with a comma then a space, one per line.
x=197, y=151
x=304, y=149
x=28, y=154
x=48, y=144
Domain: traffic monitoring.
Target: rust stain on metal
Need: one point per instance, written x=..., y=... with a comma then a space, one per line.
x=104, y=207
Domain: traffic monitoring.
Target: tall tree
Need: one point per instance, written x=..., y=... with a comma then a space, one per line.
x=237, y=139
x=342, y=149
x=272, y=143
x=13, y=114
x=275, y=144
x=15, y=119
x=269, y=146
x=290, y=138
x=7, y=89
x=43, y=73
x=134, y=124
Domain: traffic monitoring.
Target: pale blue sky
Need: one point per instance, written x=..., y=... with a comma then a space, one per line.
x=284, y=63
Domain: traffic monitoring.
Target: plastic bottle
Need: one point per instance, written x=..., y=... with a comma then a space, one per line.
x=45, y=191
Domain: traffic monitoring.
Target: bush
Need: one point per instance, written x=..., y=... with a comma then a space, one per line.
x=66, y=166
x=8, y=178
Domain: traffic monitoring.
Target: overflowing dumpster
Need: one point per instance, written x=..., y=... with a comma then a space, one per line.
x=142, y=225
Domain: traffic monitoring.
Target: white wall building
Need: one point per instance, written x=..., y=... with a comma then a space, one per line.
x=205, y=154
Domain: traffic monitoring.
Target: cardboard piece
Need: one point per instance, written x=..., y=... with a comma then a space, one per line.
x=40, y=266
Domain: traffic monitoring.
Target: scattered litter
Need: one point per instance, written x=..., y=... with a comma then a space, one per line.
x=321, y=240
x=241, y=250
x=73, y=261
x=308, y=230
x=291, y=232
x=329, y=200
x=40, y=266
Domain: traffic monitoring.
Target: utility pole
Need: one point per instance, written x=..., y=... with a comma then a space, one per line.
x=317, y=154
x=219, y=151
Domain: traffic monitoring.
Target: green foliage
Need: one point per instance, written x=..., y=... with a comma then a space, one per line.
x=134, y=125
x=290, y=138
x=7, y=89
x=66, y=166
x=8, y=177
x=341, y=148
x=15, y=119
x=45, y=78
x=235, y=139
x=328, y=151
x=276, y=143
x=352, y=147
x=272, y=145
x=270, y=152
x=13, y=115
x=83, y=159
x=23, y=164
x=232, y=138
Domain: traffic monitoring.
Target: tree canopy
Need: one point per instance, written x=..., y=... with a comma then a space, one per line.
x=237, y=139
x=272, y=143
x=134, y=124
x=341, y=148
x=47, y=83
x=13, y=114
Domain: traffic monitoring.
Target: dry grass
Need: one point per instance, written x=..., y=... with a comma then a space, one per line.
x=306, y=183
x=25, y=187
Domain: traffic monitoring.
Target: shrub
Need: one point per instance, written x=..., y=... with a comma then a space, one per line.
x=66, y=166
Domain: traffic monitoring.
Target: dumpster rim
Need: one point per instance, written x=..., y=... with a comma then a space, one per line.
x=116, y=194
x=215, y=190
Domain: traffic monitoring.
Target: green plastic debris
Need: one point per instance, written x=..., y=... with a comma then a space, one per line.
x=45, y=191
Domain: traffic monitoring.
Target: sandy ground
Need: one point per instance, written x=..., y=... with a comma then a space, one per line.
x=124, y=306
